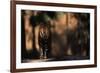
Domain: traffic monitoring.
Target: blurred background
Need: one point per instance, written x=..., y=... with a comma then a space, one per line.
x=54, y=36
